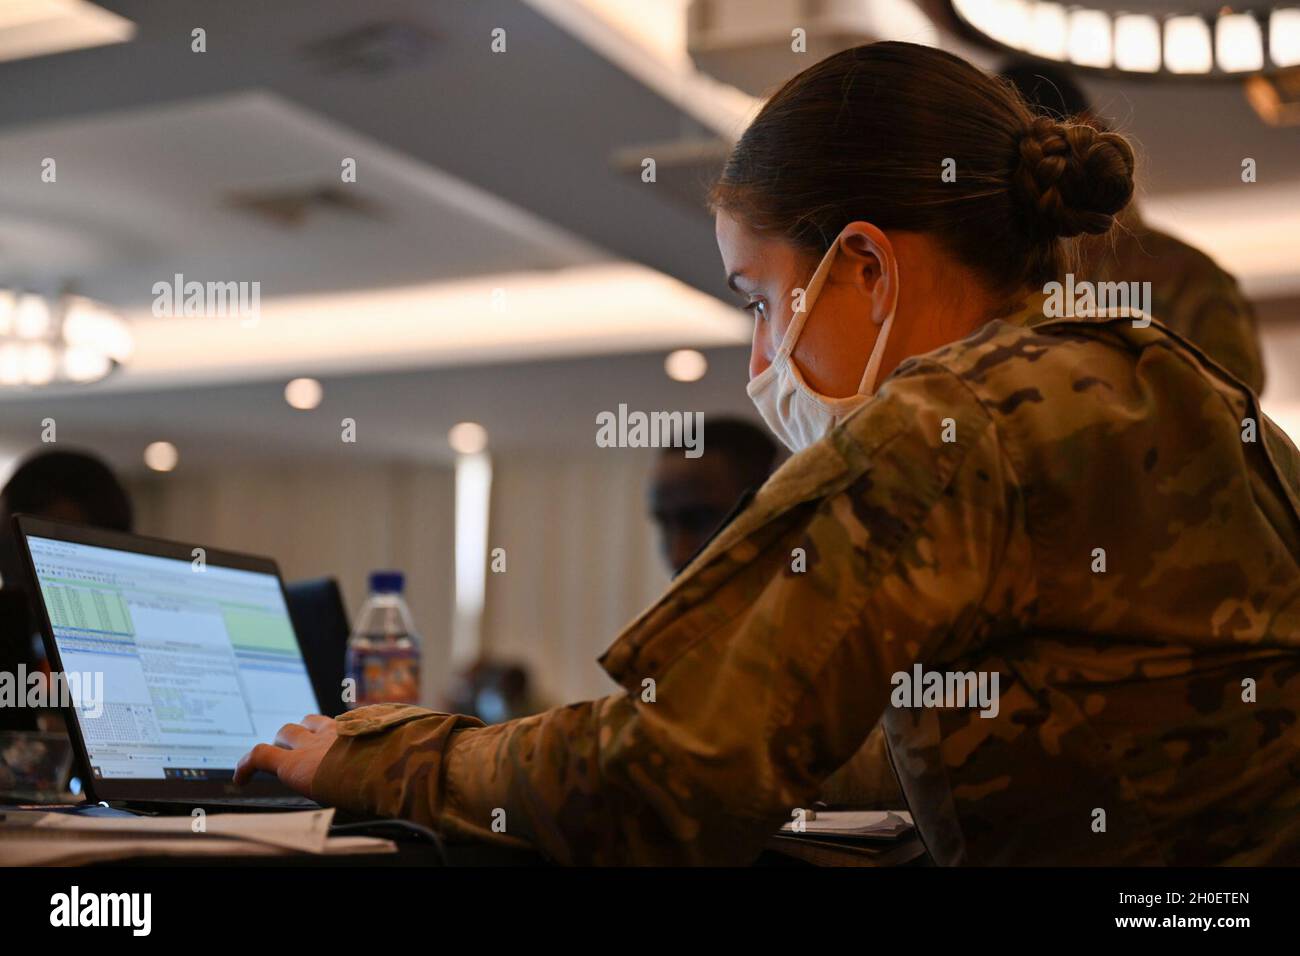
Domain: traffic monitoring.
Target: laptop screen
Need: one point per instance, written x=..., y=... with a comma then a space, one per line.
x=197, y=662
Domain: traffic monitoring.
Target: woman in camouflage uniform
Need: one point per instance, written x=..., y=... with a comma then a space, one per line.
x=1086, y=516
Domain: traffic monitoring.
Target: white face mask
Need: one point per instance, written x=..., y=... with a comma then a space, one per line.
x=798, y=414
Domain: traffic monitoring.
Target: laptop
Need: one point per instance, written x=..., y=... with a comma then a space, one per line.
x=186, y=657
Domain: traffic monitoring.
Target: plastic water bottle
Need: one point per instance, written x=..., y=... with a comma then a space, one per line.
x=384, y=650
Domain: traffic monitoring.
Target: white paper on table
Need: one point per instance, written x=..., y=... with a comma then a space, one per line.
x=67, y=848
x=305, y=831
x=855, y=823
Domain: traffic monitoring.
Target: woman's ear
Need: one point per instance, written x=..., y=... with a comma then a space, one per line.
x=868, y=253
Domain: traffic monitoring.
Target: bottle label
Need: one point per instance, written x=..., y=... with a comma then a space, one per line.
x=385, y=676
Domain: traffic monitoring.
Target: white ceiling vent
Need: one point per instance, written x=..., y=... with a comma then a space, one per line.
x=374, y=48
x=292, y=207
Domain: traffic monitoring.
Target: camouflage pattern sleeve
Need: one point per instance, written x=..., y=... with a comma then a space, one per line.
x=763, y=669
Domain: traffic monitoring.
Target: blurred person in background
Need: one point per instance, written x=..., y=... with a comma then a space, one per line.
x=690, y=498
x=1064, y=514
x=1189, y=292
x=494, y=691
x=63, y=486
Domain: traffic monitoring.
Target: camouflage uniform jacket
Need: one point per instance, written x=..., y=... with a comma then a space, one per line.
x=958, y=520
x=1189, y=292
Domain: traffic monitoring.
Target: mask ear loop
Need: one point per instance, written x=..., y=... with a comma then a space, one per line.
x=810, y=295
x=867, y=385
x=869, y=374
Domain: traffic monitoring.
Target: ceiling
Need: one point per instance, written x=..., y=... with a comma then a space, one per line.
x=147, y=192
x=441, y=98
x=476, y=171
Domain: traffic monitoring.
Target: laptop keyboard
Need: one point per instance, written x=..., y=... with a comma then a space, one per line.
x=262, y=802
x=247, y=804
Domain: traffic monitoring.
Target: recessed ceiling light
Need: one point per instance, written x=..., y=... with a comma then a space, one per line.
x=467, y=438
x=161, y=456
x=85, y=365
x=31, y=317
x=1187, y=45
x=1137, y=43
x=1284, y=37
x=686, y=365
x=1238, y=44
x=41, y=364
x=1089, y=43
x=1221, y=45
x=1048, y=31
x=304, y=394
x=1009, y=22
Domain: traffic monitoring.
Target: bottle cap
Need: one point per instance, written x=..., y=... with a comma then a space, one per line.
x=386, y=582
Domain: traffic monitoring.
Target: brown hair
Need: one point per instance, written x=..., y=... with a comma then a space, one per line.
x=864, y=134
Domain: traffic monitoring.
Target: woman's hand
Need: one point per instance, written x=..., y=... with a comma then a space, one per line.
x=298, y=752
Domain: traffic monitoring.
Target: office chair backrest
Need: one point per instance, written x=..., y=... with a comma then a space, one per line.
x=321, y=622
x=16, y=651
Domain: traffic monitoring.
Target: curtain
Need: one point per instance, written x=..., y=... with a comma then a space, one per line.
x=581, y=562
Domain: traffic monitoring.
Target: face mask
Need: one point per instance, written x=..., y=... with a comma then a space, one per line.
x=794, y=411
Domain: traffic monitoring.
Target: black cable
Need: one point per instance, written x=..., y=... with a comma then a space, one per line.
x=393, y=830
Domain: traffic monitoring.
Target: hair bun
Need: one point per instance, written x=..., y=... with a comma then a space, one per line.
x=1072, y=178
